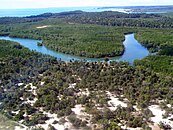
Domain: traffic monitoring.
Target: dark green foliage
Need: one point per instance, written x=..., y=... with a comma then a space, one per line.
x=63, y=34
x=101, y=18
x=161, y=64
x=165, y=126
x=139, y=85
x=149, y=79
x=76, y=122
x=39, y=44
x=166, y=50
x=76, y=39
x=156, y=40
x=122, y=19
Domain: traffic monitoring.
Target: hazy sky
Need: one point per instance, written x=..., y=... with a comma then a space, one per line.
x=75, y=3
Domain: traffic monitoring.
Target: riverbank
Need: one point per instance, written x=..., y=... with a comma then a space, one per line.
x=130, y=44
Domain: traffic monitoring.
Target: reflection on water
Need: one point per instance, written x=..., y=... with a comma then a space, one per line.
x=133, y=50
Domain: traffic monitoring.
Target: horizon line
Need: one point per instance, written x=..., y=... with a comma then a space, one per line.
x=84, y=7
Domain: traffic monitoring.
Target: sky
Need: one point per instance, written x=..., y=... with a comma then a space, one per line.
x=15, y=4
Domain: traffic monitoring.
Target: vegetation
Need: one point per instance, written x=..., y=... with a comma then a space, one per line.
x=6, y=124
x=76, y=39
x=18, y=65
x=33, y=84
x=39, y=44
x=122, y=19
x=102, y=18
x=72, y=32
x=156, y=40
x=161, y=64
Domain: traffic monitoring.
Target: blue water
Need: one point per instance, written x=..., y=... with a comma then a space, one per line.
x=37, y=11
x=133, y=50
x=29, y=12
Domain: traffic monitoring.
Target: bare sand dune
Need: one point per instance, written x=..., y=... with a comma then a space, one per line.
x=45, y=26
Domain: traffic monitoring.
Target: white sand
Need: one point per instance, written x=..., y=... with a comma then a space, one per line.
x=34, y=92
x=158, y=115
x=70, y=23
x=86, y=92
x=33, y=88
x=122, y=10
x=83, y=92
x=54, y=117
x=15, y=112
x=169, y=105
x=20, y=84
x=154, y=126
x=60, y=97
x=129, y=128
x=31, y=85
x=21, y=98
x=19, y=128
x=72, y=85
x=45, y=26
x=42, y=83
x=79, y=110
x=114, y=102
x=40, y=74
x=31, y=102
x=136, y=108
x=25, y=115
x=46, y=126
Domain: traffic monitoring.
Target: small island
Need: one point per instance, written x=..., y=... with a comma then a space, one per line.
x=39, y=44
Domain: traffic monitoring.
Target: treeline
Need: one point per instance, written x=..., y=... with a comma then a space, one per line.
x=66, y=34
x=102, y=18
x=122, y=19
x=14, y=20
x=36, y=18
x=156, y=40
x=159, y=63
x=76, y=39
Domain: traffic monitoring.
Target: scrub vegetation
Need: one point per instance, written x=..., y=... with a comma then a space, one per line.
x=37, y=89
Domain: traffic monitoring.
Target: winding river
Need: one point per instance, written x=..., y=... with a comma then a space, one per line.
x=133, y=50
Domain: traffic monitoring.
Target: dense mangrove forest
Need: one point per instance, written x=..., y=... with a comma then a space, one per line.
x=42, y=92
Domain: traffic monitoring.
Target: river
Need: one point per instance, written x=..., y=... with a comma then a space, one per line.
x=133, y=50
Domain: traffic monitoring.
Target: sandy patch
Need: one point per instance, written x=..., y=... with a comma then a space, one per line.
x=53, y=117
x=154, y=126
x=114, y=102
x=15, y=112
x=128, y=128
x=158, y=116
x=72, y=85
x=79, y=110
x=45, y=26
x=20, y=84
x=83, y=92
x=31, y=102
x=19, y=128
x=42, y=83
x=122, y=10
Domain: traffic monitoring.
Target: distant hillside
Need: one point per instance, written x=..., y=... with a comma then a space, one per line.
x=139, y=9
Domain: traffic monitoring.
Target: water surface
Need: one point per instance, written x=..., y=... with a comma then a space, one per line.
x=37, y=11
x=133, y=50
